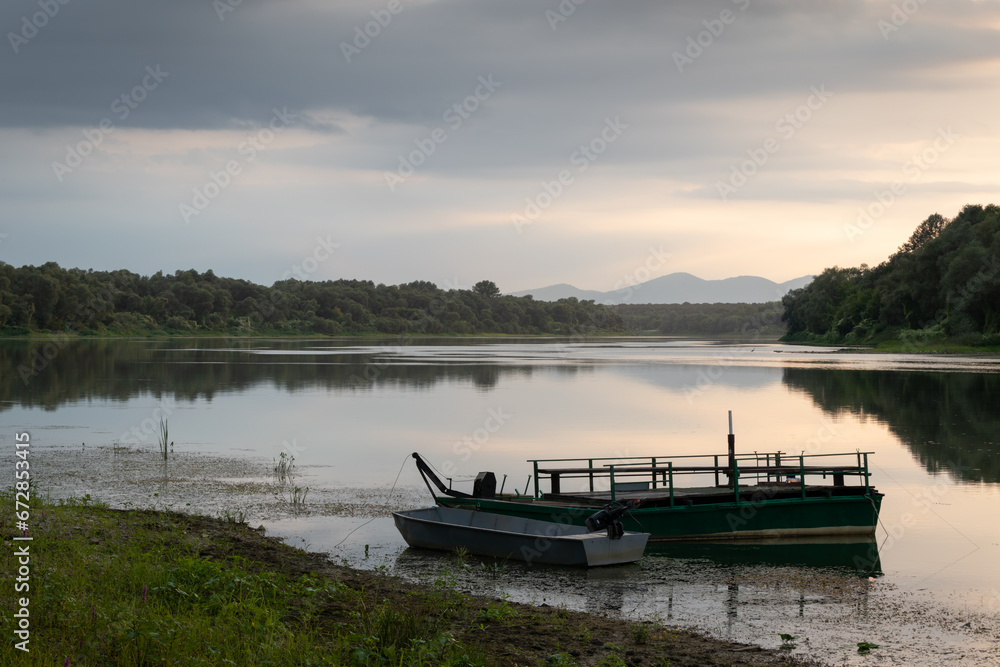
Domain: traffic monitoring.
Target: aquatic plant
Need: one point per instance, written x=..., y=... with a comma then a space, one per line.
x=283, y=468
x=237, y=516
x=864, y=648
x=163, y=439
x=297, y=497
x=462, y=555
x=494, y=569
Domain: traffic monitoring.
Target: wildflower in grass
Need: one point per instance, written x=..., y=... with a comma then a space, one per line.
x=144, y=593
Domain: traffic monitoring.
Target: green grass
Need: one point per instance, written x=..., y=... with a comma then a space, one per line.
x=135, y=588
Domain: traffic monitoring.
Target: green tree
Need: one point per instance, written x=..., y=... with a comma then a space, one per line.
x=486, y=288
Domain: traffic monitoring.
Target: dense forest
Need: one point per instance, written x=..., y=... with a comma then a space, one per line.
x=51, y=298
x=747, y=320
x=944, y=282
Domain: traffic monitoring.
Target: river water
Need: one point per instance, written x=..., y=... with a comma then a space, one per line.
x=350, y=412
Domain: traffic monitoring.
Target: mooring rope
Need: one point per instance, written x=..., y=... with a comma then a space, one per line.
x=388, y=496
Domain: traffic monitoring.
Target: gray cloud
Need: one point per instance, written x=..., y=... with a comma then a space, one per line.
x=556, y=88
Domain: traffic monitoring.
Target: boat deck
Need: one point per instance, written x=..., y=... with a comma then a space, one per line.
x=705, y=495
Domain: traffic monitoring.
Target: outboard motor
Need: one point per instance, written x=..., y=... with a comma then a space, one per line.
x=485, y=485
x=610, y=518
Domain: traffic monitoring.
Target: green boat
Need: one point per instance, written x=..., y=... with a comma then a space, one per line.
x=758, y=496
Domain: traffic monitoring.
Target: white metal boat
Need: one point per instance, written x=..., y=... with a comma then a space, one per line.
x=530, y=540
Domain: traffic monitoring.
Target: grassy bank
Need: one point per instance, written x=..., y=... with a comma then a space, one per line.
x=139, y=587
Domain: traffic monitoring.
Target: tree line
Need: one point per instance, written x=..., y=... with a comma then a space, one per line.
x=943, y=282
x=51, y=298
x=748, y=320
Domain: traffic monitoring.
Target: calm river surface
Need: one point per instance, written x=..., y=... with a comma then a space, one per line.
x=351, y=412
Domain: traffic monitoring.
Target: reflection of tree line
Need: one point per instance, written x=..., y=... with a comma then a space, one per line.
x=48, y=374
x=949, y=421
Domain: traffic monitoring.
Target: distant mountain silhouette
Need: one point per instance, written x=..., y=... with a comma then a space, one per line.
x=679, y=288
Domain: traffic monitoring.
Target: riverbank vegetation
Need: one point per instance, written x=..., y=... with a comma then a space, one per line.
x=734, y=320
x=49, y=298
x=940, y=291
x=142, y=587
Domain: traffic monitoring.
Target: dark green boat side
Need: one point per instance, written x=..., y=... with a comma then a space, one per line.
x=769, y=518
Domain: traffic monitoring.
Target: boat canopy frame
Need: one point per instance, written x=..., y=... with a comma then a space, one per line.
x=767, y=466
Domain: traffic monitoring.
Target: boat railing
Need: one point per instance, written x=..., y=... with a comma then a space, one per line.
x=760, y=467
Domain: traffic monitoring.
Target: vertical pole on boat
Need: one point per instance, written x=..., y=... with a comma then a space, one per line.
x=802, y=475
x=670, y=474
x=867, y=490
x=732, y=452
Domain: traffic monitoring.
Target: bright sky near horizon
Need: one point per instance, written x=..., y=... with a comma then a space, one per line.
x=524, y=142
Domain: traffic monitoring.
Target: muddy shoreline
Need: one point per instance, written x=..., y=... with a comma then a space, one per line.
x=721, y=606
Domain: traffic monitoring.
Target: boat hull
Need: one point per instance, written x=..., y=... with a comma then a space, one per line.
x=519, y=538
x=764, y=519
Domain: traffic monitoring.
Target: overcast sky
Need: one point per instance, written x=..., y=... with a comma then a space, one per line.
x=525, y=142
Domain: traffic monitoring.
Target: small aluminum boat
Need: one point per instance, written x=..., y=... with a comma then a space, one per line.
x=530, y=540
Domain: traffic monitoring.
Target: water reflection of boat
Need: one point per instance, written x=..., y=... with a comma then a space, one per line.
x=849, y=553
x=758, y=496
x=689, y=588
